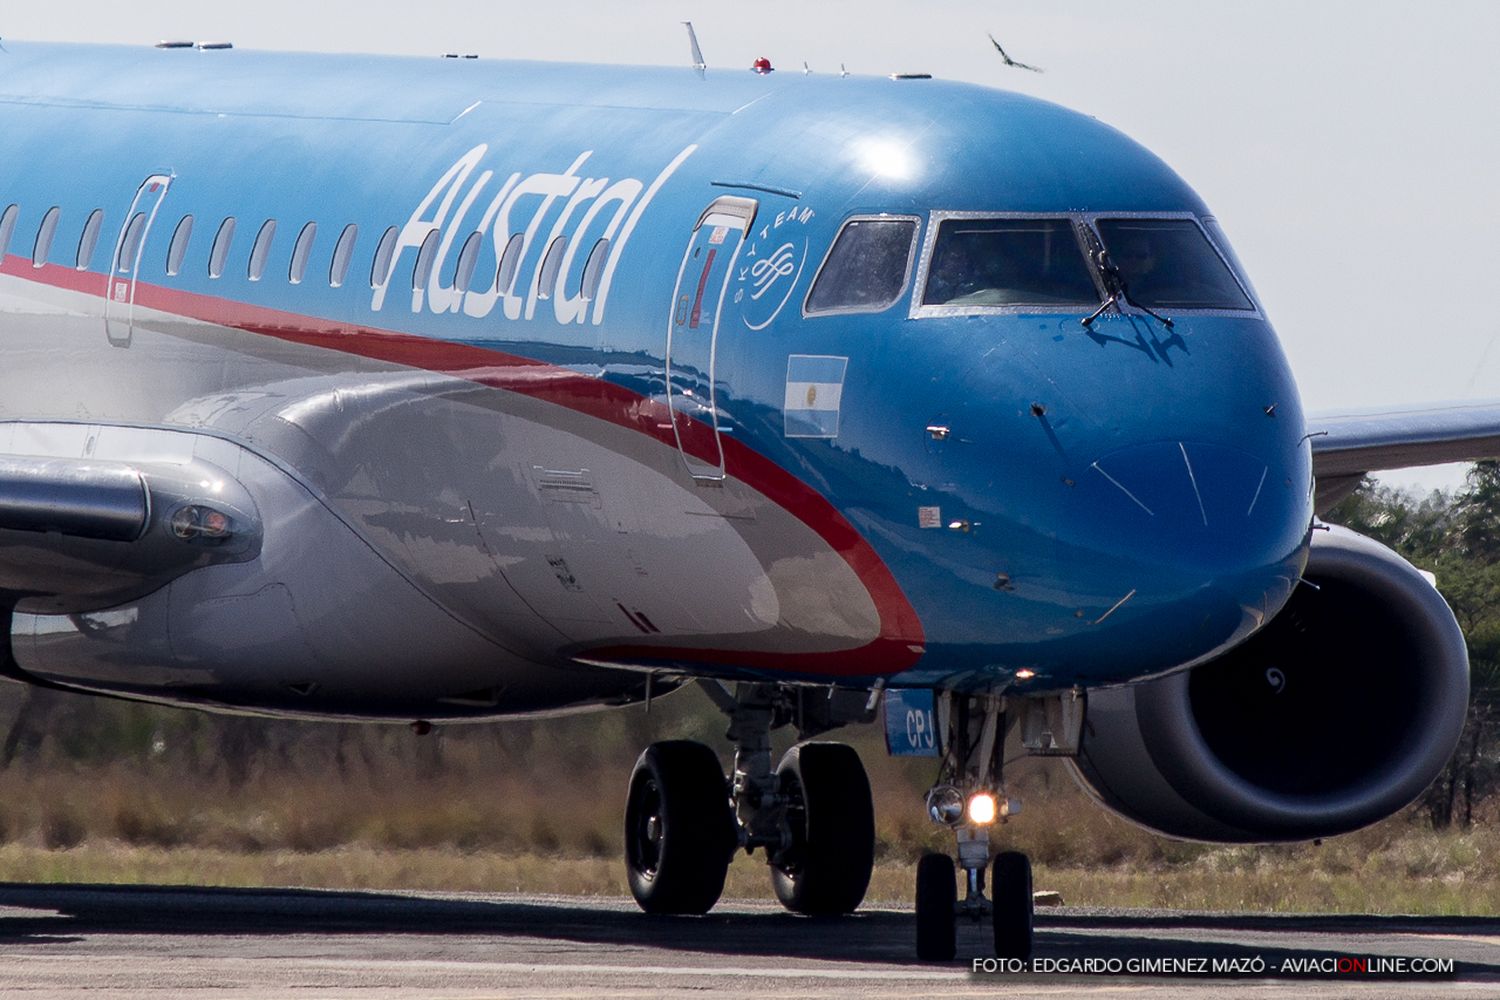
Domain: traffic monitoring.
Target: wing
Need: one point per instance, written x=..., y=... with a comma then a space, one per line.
x=1346, y=446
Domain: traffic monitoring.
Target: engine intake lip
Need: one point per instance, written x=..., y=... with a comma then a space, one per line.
x=1208, y=787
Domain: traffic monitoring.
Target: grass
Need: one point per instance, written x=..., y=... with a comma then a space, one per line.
x=182, y=798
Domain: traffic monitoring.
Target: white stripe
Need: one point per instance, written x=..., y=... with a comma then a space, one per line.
x=824, y=396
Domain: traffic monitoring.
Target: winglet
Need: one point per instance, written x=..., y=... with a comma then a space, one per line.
x=698, y=63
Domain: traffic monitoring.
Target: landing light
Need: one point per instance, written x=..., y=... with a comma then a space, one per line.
x=1025, y=674
x=982, y=808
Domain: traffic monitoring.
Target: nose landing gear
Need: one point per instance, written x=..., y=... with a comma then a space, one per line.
x=969, y=798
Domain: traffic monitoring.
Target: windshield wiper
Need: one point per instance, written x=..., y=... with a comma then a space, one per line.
x=1114, y=284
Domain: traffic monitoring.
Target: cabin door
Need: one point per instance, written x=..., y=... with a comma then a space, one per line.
x=119, y=296
x=693, y=330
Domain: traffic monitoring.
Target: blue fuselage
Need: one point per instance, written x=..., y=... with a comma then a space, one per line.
x=930, y=497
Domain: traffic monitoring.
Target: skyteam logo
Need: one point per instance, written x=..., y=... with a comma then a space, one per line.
x=771, y=267
x=814, y=391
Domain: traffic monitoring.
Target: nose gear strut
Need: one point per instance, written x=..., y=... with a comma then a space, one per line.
x=969, y=797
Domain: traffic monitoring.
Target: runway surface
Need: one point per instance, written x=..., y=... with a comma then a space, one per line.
x=235, y=944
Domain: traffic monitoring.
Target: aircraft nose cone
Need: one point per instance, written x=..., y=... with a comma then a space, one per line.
x=1204, y=537
x=1201, y=505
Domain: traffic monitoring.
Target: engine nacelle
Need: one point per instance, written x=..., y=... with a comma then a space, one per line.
x=1336, y=714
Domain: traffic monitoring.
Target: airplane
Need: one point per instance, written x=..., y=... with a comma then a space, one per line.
x=440, y=390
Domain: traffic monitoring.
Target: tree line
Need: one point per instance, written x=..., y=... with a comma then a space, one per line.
x=1456, y=536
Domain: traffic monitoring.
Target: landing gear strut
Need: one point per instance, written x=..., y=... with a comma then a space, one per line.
x=969, y=797
x=811, y=814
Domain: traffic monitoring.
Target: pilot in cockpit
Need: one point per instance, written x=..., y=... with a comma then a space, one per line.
x=1136, y=261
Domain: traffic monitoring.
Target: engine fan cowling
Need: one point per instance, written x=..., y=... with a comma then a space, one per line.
x=1337, y=713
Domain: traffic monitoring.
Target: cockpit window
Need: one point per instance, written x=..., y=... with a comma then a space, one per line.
x=1169, y=264
x=1008, y=262
x=1221, y=240
x=865, y=271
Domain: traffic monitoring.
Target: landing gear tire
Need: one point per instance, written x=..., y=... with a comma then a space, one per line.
x=937, y=901
x=826, y=868
x=1013, y=906
x=679, y=828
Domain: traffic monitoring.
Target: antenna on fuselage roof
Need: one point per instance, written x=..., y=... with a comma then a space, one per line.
x=698, y=64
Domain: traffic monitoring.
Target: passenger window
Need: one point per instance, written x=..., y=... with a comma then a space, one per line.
x=1169, y=264
x=7, y=228
x=463, y=273
x=177, y=249
x=260, y=250
x=594, y=269
x=422, y=271
x=343, y=253
x=89, y=240
x=380, y=267
x=1008, y=262
x=300, y=251
x=44, y=235
x=865, y=270
x=220, y=252
x=546, y=279
x=509, y=261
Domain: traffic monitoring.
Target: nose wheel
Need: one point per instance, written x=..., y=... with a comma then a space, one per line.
x=937, y=909
x=1013, y=904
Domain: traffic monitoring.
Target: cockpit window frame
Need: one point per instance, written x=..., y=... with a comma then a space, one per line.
x=912, y=252
x=1084, y=230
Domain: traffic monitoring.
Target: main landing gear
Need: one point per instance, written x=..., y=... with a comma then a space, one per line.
x=969, y=797
x=811, y=814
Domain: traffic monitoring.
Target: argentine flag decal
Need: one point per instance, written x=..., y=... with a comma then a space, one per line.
x=814, y=389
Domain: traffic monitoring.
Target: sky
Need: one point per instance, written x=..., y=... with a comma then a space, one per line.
x=1351, y=149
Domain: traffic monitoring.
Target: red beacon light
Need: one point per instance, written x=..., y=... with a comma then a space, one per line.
x=761, y=66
